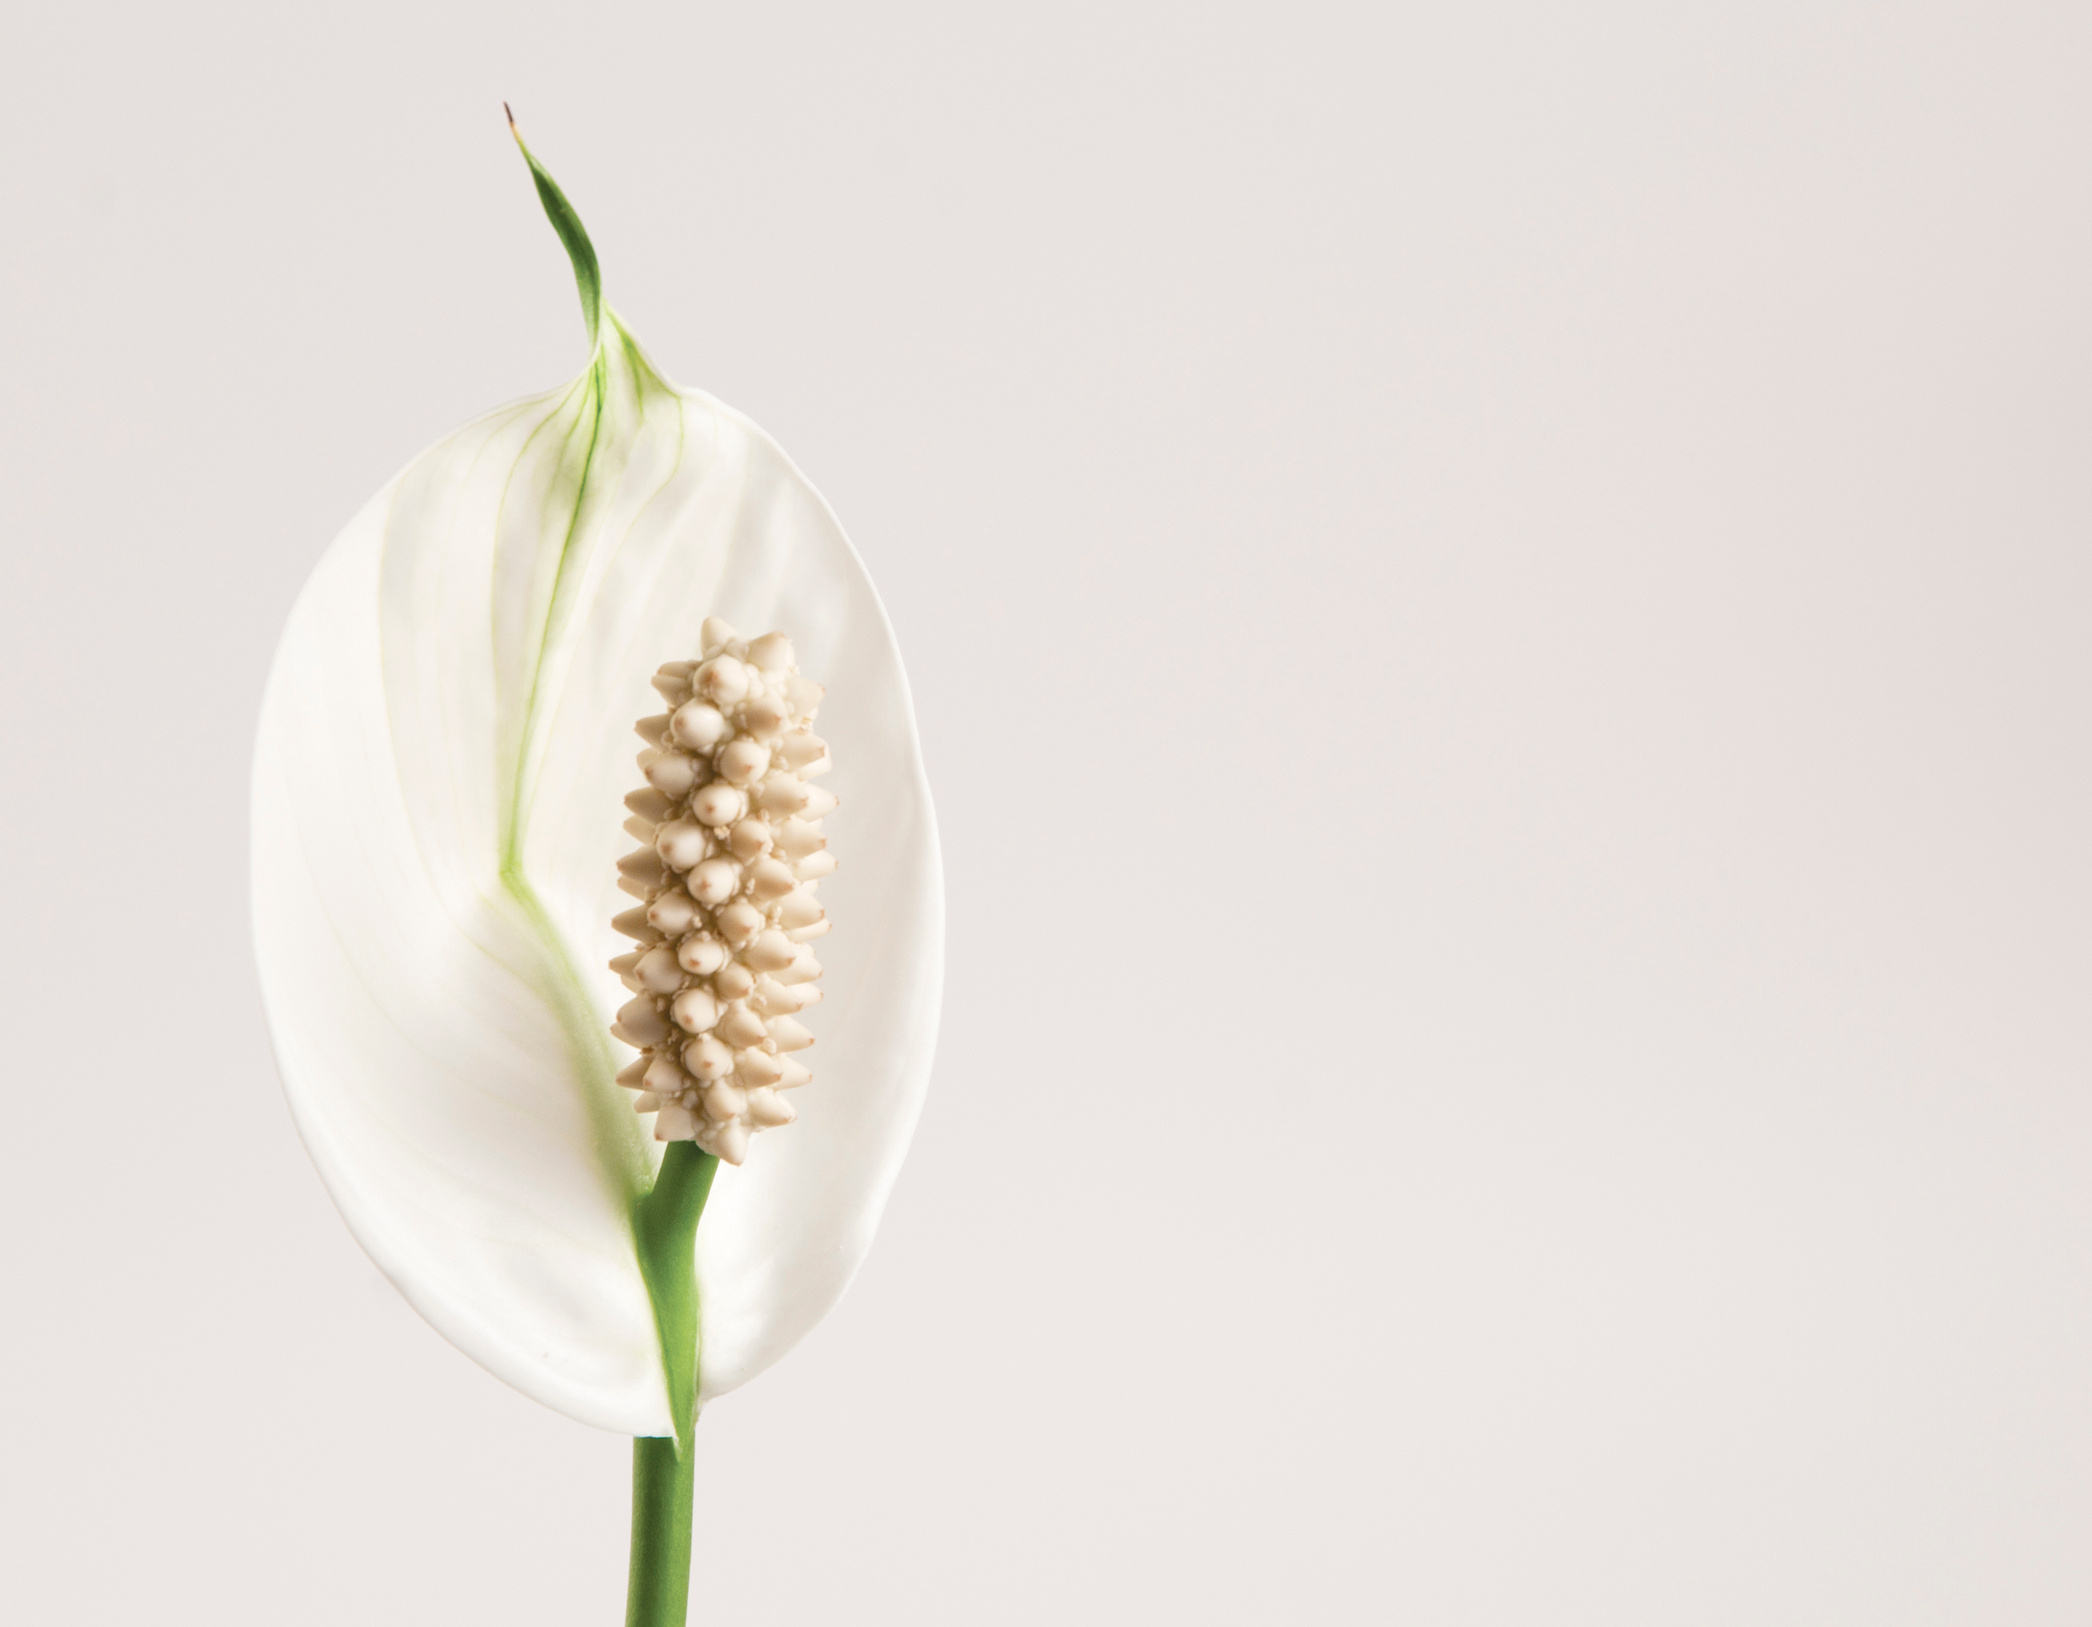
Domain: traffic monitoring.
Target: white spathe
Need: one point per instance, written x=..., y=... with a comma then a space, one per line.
x=445, y=745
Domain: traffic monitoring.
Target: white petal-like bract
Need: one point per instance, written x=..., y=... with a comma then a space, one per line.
x=445, y=748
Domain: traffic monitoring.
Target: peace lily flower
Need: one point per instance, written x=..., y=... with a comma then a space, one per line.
x=440, y=809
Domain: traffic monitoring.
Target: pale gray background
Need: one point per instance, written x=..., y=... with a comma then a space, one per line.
x=1499, y=599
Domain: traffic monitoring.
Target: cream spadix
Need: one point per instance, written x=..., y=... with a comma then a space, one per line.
x=443, y=791
x=695, y=997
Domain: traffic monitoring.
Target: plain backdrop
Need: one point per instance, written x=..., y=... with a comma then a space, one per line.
x=1498, y=594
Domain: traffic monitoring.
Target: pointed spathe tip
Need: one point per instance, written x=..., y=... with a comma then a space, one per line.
x=587, y=277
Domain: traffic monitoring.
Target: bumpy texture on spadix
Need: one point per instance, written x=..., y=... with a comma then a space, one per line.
x=440, y=776
x=731, y=855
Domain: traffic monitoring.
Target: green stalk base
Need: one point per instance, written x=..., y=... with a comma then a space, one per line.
x=664, y=1223
x=659, y=1591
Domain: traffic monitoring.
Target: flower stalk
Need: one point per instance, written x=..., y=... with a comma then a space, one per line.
x=664, y=1223
x=731, y=854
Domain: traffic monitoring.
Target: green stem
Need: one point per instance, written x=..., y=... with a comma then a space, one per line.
x=664, y=1223
x=659, y=1592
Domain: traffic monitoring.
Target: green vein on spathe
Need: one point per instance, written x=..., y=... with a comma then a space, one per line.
x=663, y=1214
x=614, y=1133
x=588, y=278
x=512, y=848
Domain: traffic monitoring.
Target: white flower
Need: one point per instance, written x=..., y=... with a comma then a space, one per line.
x=444, y=752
